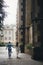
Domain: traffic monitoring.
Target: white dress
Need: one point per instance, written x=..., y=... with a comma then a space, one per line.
x=17, y=50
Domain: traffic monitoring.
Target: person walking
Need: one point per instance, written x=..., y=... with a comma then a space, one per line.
x=9, y=46
x=17, y=49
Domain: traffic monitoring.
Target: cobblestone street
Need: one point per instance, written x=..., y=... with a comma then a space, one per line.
x=24, y=59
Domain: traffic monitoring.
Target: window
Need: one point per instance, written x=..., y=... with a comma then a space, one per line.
x=5, y=38
x=22, y=3
x=21, y=9
x=9, y=38
x=22, y=39
x=9, y=32
x=22, y=18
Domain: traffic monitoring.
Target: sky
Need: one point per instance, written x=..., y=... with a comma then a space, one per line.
x=11, y=12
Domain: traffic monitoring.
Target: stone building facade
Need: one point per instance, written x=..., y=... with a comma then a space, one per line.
x=24, y=22
x=37, y=21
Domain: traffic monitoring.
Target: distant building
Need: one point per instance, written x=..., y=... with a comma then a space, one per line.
x=9, y=34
